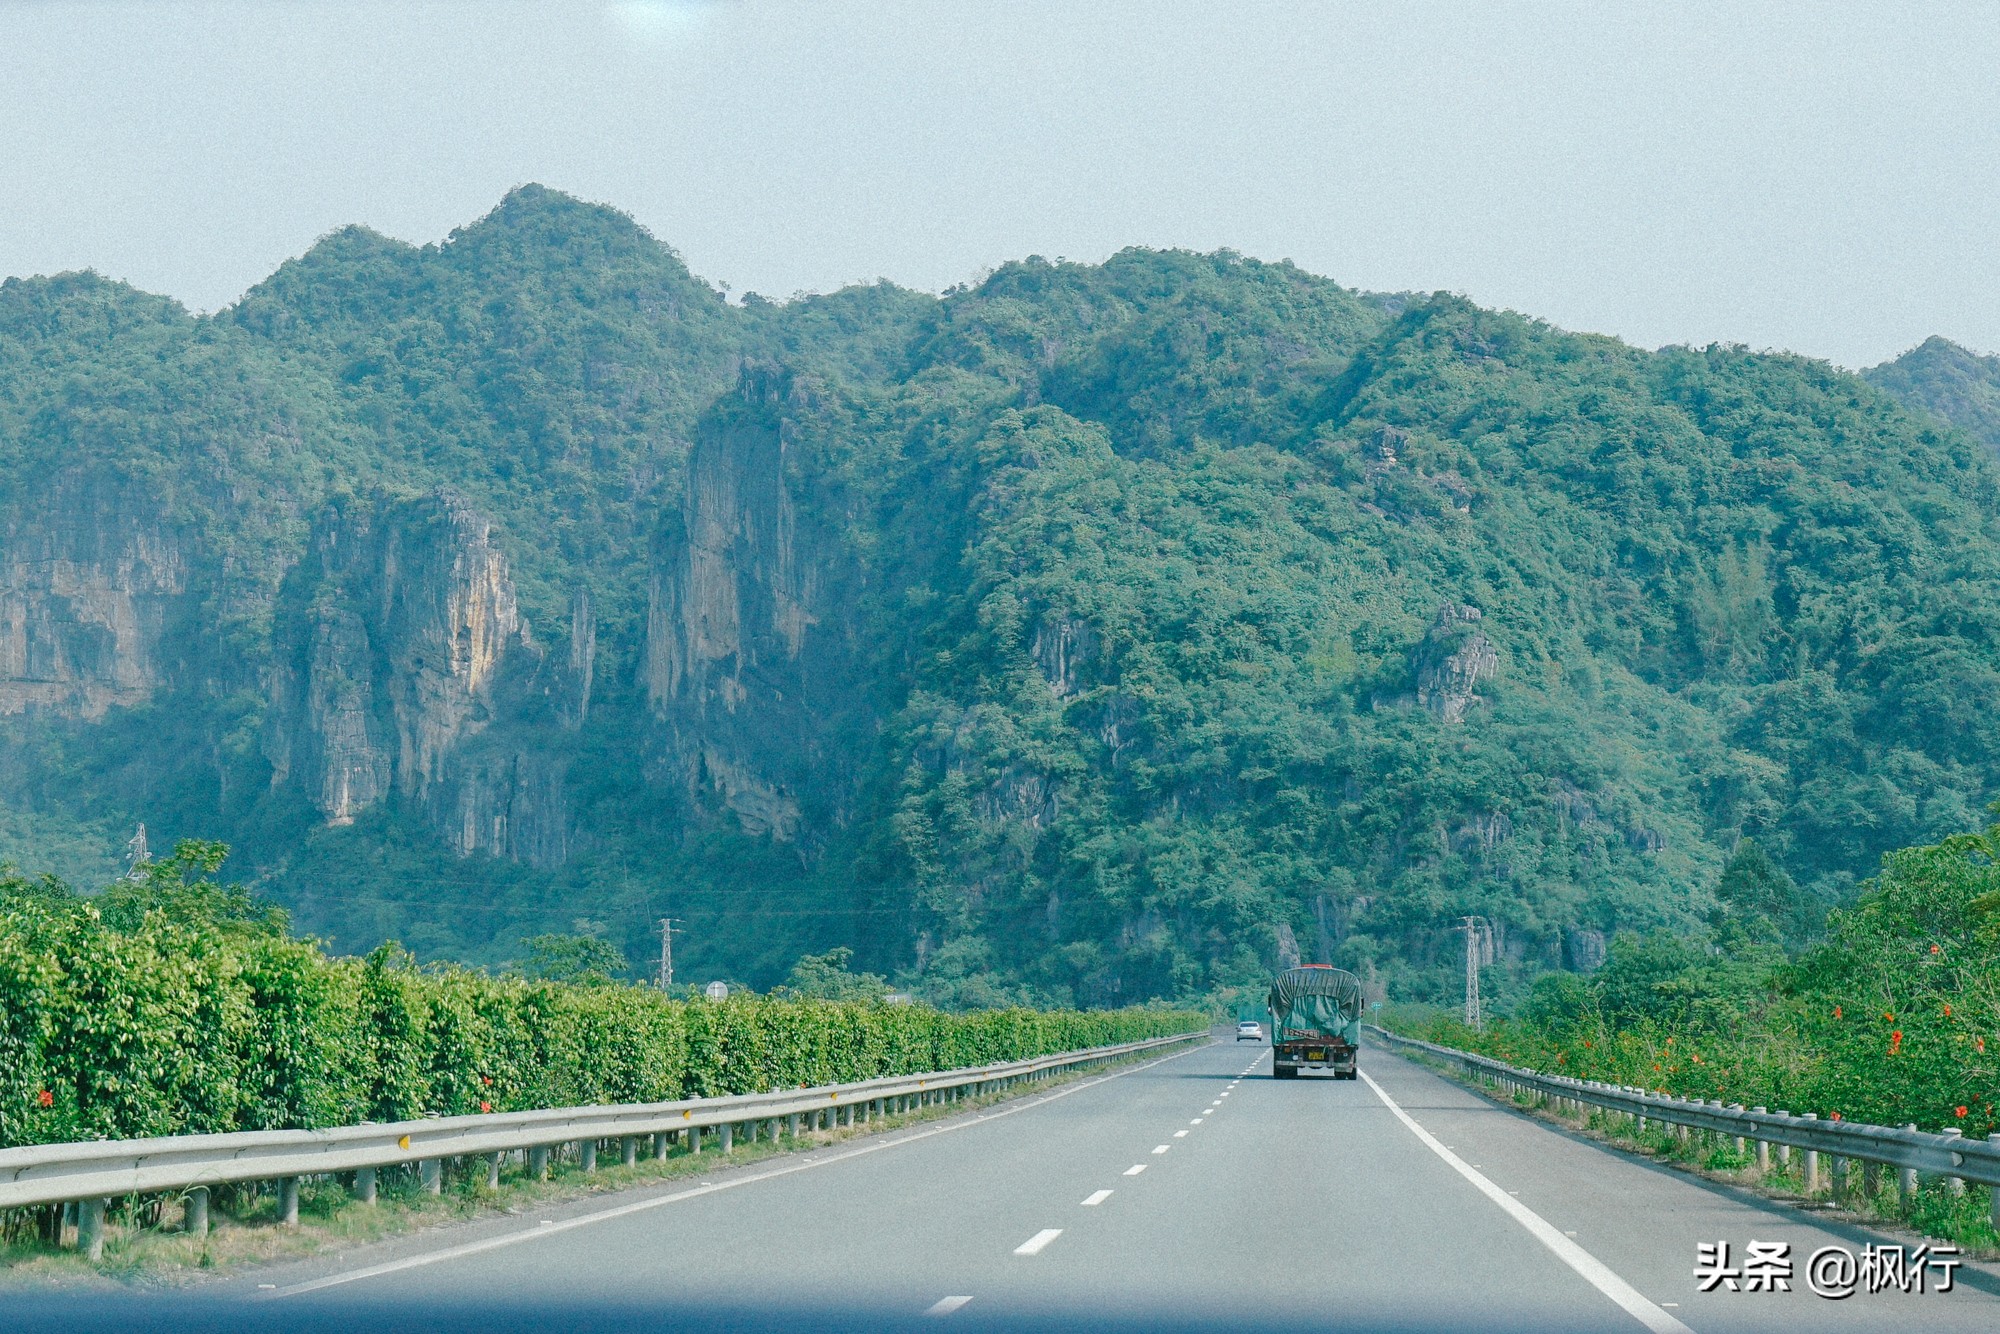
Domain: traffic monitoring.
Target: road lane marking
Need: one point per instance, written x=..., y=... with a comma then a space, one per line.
x=1196, y=1121
x=1161, y=1148
x=1594, y=1271
x=1180, y=1134
x=1097, y=1197
x=549, y=1229
x=946, y=1305
x=1135, y=1169
x=1034, y=1244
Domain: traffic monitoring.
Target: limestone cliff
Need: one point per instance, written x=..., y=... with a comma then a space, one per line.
x=406, y=668
x=746, y=657
x=90, y=582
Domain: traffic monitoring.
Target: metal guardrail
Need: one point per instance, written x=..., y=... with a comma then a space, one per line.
x=92, y=1171
x=1911, y=1151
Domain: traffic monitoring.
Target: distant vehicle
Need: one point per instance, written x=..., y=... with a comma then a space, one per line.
x=1315, y=1021
x=1249, y=1028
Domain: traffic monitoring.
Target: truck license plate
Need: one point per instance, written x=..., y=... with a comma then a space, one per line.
x=1316, y=1054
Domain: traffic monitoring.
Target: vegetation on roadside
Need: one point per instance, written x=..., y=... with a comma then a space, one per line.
x=175, y=1004
x=1892, y=1018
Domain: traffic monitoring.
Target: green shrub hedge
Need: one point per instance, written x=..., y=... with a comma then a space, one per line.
x=1893, y=1019
x=175, y=1009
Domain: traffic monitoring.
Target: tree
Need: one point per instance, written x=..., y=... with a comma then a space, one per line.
x=827, y=977
x=578, y=958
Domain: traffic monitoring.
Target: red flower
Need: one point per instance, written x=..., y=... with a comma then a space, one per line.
x=1836, y=1116
x=486, y=1080
x=485, y=1106
x=45, y=1099
x=1947, y=1012
x=1934, y=949
x=1836, y=1012
x=1959, y=1112
x=1981, y=1042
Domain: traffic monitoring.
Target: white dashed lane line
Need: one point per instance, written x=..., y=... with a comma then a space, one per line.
x=1097, y=1197
x=1035, y=1244
x=1180, y=1134
x=1161, y=1148
x=946, y=1305
x=1135, y=1169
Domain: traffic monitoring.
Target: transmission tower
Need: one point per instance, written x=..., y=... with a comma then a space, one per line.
x=1478, y=936
x=667, y=925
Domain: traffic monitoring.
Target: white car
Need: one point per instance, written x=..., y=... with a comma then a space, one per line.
x=1249, y=1028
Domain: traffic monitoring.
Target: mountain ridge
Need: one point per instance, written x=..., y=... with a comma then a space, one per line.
x=1089, y=633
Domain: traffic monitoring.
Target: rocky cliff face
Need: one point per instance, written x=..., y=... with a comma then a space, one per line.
x=746, y=656
x=406, y=668
x=1453, y=659
x=90, y=583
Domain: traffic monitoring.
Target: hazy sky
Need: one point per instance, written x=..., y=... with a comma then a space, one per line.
x=1820, y=177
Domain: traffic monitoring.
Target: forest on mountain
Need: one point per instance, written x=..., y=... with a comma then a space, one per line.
x=1087, y=634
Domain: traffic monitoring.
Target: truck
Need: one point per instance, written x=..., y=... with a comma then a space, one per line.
x=1315, y=1021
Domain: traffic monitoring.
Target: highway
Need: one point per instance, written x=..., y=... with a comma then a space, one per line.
x=1192, y=1192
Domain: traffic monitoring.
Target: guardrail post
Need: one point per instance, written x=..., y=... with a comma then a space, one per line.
x=431, y=1172
x=493, y=1171
x=1784, y=1150
x=1871, y=1177
x=194, y=1217
x=1812, y=1161
x=1763, y=1147
x=728, y=1144
x=288, y=1201
x=1954, y=1184
x=586, y=1154
x=659, y=1144
x=90, y=1228
x=1841, y=1170
x=1906, y=1179
x=694, y=1139
x=1740, y=1146
x=538, y=1163
x=364, y=1185
x=628, y=1151
x=792, y=1125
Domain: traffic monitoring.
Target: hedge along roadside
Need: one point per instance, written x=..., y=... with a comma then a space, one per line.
x=189, y=1027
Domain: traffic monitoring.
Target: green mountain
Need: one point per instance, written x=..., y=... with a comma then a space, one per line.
x=1948, y=381
x=1093, y=632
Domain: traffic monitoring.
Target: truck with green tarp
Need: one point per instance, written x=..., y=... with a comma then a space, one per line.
x=1315, y=1021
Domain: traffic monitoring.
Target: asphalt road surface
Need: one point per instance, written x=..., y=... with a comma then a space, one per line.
x=1193, y=1192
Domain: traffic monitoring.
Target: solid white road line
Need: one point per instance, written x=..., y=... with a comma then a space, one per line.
x=1594, y=1271
x=1034, y=1244
x=1135, y=1169
x=888, y=1141
x=946, y=1305
x=1097, y=1197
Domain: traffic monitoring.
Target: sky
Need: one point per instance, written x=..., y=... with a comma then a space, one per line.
x=1822, y=178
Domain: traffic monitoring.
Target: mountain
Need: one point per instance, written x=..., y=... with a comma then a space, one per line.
x=1089, y=633
x=1942, y=378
